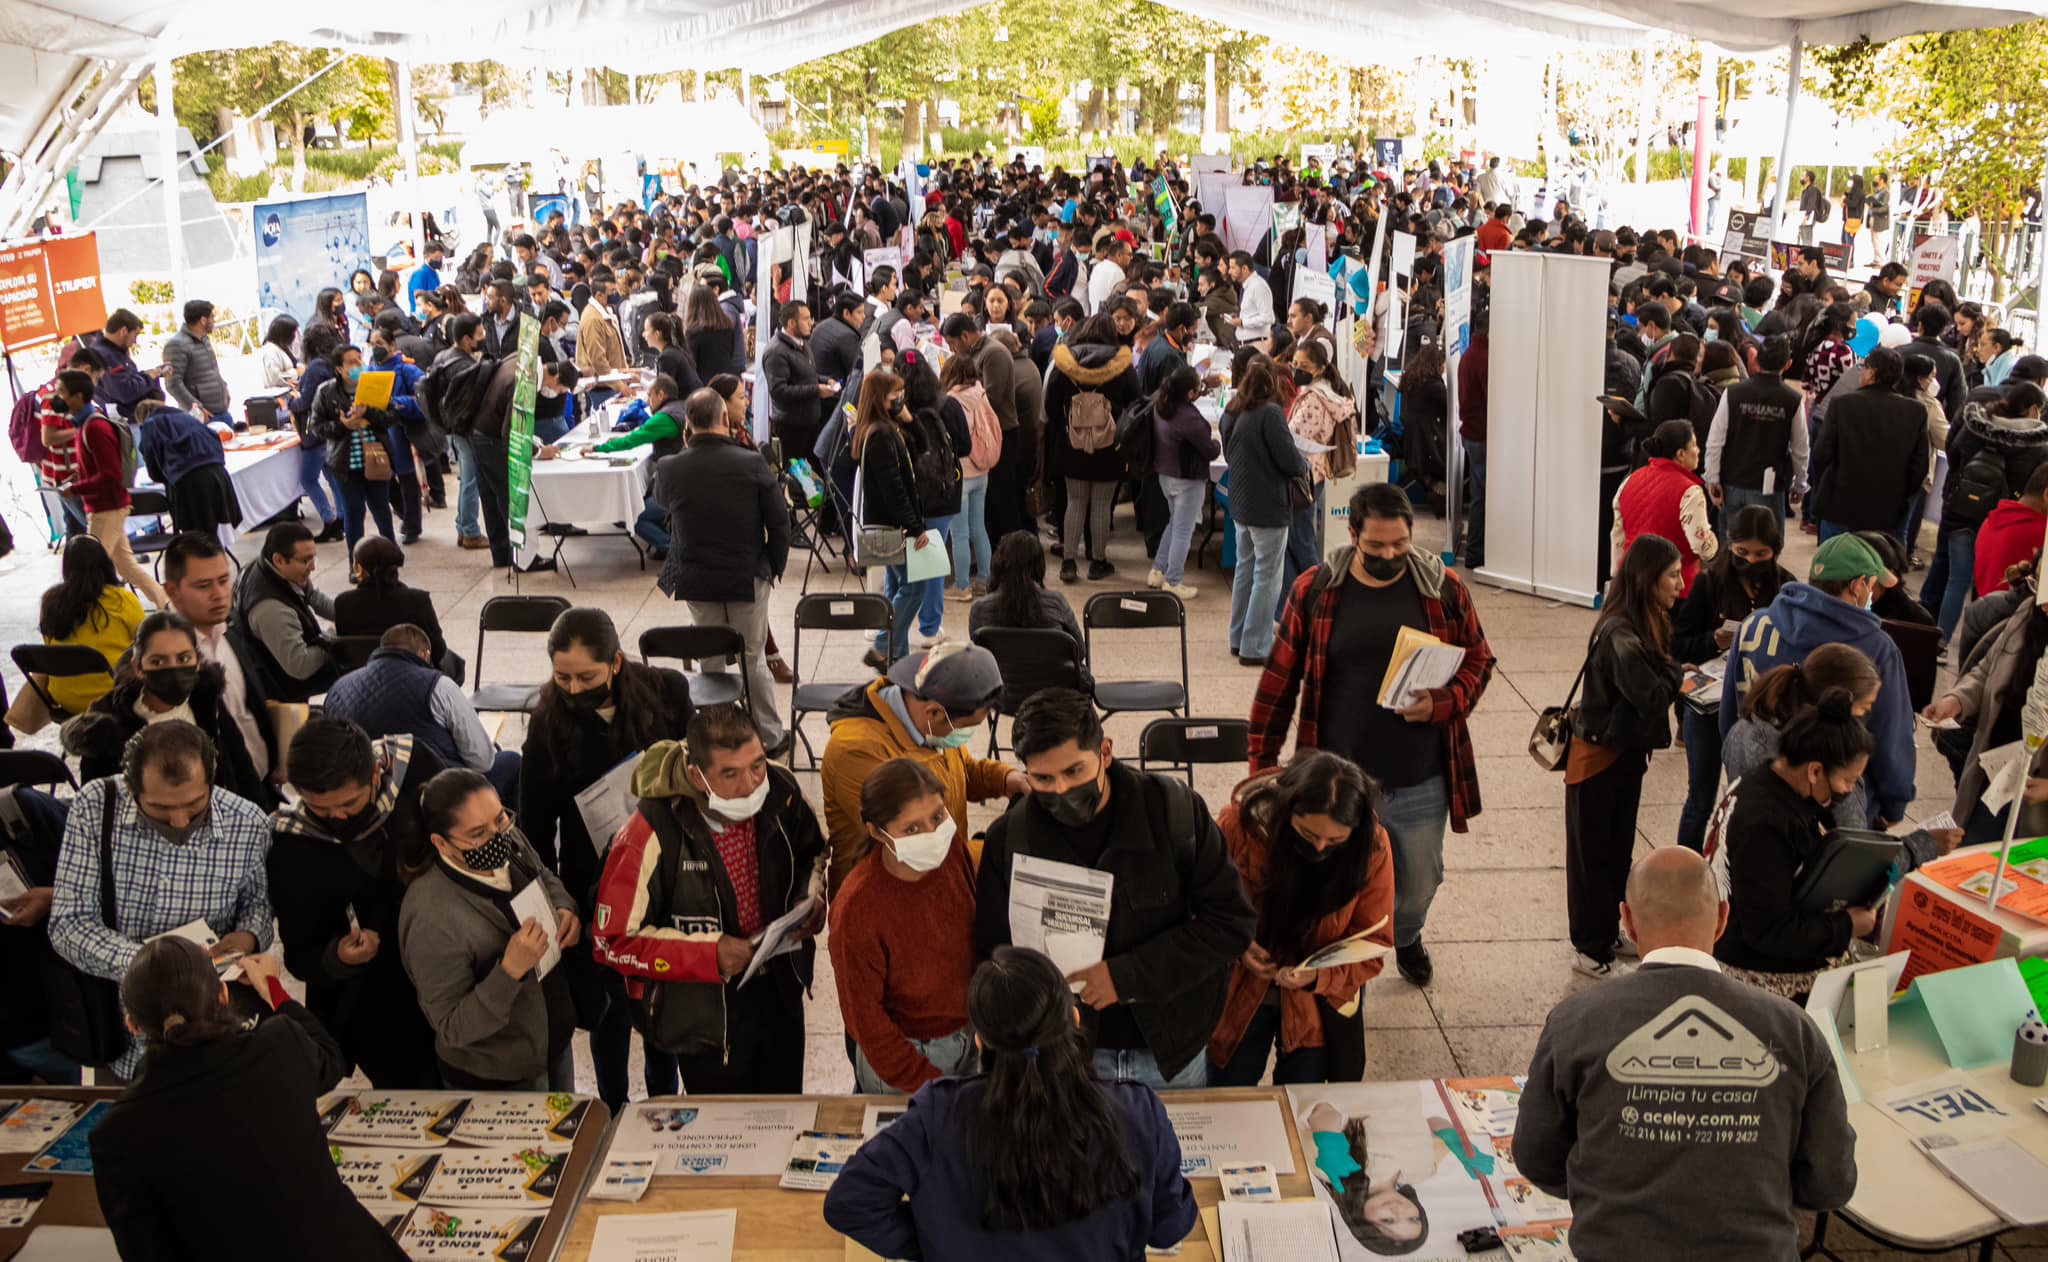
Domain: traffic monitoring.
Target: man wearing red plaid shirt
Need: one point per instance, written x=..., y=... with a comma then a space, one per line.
x=1336, y=638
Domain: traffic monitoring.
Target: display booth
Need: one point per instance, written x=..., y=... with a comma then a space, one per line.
x=1546, y=368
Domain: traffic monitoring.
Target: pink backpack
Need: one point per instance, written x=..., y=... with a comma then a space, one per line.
x=983, y=428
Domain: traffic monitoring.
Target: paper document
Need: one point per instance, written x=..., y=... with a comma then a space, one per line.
x=816, y=1158
x=1939, y=725
x=930, y=561
x=13, y=882
x=608, y=803
x=2006, y=766
x=703, y=1236
x=2006, y=1177
x=30, y=1125
x=1356, y=949
x=1940, y=823
x=1419, y=663
x=193, y=931
x=69, y=1244
x=622, y=1179
x=1946, y=1105
x=1220, y=1133
x=18, y=1203
x=1300, y=1231
x=373, y=389
x=1061, y=909
x=779, y=938
x=532, y=903
x=1253, y=1182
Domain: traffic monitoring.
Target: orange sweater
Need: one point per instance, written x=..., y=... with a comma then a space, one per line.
x=902, y=954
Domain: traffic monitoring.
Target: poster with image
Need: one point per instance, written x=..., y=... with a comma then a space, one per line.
x=1380, y=1158
x=715, y=1137
x=489, y=1178
x=304, y=244
x=1538, y=1242
x=71, y=1153
x=378, y=1174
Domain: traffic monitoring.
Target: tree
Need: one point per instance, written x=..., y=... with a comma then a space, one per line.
x=244, y=80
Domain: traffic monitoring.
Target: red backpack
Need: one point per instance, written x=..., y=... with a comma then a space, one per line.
x=25, y=429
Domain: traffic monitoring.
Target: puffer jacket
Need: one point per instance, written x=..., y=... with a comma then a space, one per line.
x=888, y=482
x=2020, y=442
x=1106, y=370
x=330, y=408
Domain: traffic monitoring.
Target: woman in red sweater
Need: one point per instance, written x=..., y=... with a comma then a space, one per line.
x=102, y=481
x=903, y=936
x=1316, y=864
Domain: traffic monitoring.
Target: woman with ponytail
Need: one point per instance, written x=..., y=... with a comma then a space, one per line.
x=212, y=1097
x=1782, y=817
x=1031, y=1159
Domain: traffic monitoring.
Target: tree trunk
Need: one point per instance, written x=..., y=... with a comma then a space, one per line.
x=1222, y=96
x=298, y=125
x=1362, y=144
x=1165, y=111
x=913, y=127
x=934, y=130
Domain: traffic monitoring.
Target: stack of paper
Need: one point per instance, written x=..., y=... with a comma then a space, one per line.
x=2010, y=1181
x=1356, y=949
x=1301, y=1231
x=1419, y=663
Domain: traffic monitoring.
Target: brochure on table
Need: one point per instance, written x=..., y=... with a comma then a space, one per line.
x=1974, y=1010
x=1228, y=1133
x=714, y=1137
x=71, y=1152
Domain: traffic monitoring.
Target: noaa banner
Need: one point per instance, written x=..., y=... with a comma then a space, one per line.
x=305, y=245
x=50, y=289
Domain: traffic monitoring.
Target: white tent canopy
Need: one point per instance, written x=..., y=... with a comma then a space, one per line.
x=694, y=131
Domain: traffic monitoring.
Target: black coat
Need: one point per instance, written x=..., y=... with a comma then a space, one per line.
x=367, y=611
x=888, y=482
x=715, y=350
x=728, y=520
x=835, y=349
x=1717, y=596
x=1625, y=702
x=330, y=406
x=792, y=384
x=99, y=735
x=244, y=1102
x=1871, y=458
x=677, y=363
x=1107, y=370
x=1263, y=458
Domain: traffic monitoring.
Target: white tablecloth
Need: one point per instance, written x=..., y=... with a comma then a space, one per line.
x=585, y=492
x=266, y=482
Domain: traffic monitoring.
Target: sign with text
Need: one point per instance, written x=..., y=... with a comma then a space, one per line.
x=1748, y=236
x=519, y=477
x=1935, y=258
x=305, y=245
x=50, y=289
x=1940, y=933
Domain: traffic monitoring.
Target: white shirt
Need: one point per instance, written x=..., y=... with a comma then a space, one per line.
x=214, y=647
x=1102, y=283
x=1682, y=955
x=1254, y=309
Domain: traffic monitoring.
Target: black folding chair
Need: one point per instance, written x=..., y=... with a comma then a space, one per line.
x=806, y=530
x=1031, y=660
x=1919, y=646
x=352, y=652
x=1179, y=744
x=59, y=661
x=702, y=643
x=33, y=767
x=1121, y=611
x=529, y=615
x=830, y=611
x=150, y=504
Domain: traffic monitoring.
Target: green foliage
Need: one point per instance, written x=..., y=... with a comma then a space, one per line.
x=150, y=293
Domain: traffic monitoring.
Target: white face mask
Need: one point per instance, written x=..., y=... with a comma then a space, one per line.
x=921, y=852
x=736, y=810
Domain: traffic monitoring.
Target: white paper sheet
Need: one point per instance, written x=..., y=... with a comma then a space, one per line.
x=532, y=903
x=1256, y=1181
x=1299, y=1231
x=930, y=561
x=1061, y=909
x=876, y=1118
x=816, y=1158
x=608, y=803
x=714, y=1137
x=1946, y=1104
x=702, y=1236
x=2010, y=1180
x=69, y=1244
x=1214, y=1135
x=194, y=931
x=779, y=938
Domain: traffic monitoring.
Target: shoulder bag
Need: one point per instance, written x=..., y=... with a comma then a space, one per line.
x=85, y=1011
x=1550, y=743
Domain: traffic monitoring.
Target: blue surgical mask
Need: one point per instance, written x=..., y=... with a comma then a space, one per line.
x=1713, y=335
x=354, y=374
x=951, y=740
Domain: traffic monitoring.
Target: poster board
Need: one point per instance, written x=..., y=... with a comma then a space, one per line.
x=1935, y=258
x=1386, y=152
x=306, y=244
x=50, y=289
x=1458, y=261
x=1208, y=163
x=1247, y=216
x=1326, y=154
x=519, y=478
x=1748, y=236
x=1399, y=268
x=1834, y=253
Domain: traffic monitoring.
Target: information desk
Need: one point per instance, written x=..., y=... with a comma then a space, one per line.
x=776, y=1225
x=72, y=1201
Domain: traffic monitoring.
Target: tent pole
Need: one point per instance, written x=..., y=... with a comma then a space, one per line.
x=1784, y=171
x=1703, y=137
x=1643, y=119
x=408, y=131
x=167, y=157
x=2041, y=264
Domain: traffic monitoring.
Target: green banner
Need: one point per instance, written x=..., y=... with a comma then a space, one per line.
x=519, y=481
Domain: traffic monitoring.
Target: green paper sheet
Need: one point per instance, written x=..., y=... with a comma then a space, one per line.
x=2035, y=974
x=1975, y=1010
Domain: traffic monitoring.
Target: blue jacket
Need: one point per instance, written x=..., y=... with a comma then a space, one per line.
x=923, y=1155
x=1800, y=620
x=423, y=279
x=174, y=443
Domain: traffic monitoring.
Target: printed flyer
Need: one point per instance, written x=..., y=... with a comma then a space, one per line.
x=30, y=1125
x=1381, y=1159
x=460, y=1235
x=529, y=1118
x=486, y=1178
x=1213, y=1135
x=377, y=1174
x=402, y=1119
x=70, y=1153
x=1539, y=1242
x=730, y=1137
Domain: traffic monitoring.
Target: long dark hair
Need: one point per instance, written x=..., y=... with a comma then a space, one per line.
x=637, y=717
x=1300, y=891
x=1753, y=523
x=1016, y=574
x=1175, y=389
x=172, y=991
x=1039, y=1108
x=704, y=313
x=1827, y=732
x=380, y=560
x=1632, y=596
x=1779, y=693
x=75, y=601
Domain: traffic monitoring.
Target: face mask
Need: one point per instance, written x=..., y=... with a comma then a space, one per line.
x=171, y=684
x=1713, y=335
x=590, y=700
x=178, y=836
x=1384, y=569
x=350, y=827
x=1310, y=853
x=953, y=739
x=921, y=852
x=736, y=810
x=354, y=374
x=1303, y=376
x=1754, y=571
x=492, y=855
x=1301, y=257
x=1076, y=806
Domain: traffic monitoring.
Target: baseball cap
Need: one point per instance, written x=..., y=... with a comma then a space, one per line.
x=1845, y=557
x=961, y=677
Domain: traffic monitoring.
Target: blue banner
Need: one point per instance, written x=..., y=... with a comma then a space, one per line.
x=541, y=205
x=306, y=245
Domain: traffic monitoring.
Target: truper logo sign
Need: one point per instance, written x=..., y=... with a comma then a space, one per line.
x=1693, y=1042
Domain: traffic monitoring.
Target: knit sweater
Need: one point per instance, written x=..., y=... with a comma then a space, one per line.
x=902, y=954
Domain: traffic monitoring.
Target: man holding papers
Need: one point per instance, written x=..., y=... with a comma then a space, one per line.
x=708, y=903
x=1379, y=641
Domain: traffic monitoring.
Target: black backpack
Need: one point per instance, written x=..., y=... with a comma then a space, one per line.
x=1136, y=440
x=1981, y=484
x=933, y=460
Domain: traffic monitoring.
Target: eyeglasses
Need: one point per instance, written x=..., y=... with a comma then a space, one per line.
x=477, y=837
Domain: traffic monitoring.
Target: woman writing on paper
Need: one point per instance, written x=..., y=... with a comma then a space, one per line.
x=212, y=1100
x=902, y=936
x=972, y=1155
x=598, y=709
x=1316, y=863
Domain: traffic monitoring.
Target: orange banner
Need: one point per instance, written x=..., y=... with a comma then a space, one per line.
x=1940, y=933
x=50, y=289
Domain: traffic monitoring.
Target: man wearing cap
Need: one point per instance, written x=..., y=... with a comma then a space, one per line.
x=1833, y=607
x=929, y=708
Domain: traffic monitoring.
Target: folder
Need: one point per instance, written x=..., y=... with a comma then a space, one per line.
x=373, y=389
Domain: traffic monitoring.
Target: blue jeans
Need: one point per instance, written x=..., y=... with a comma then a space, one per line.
x=466, y=494
x=1960, y=553
x=931, y=610
x=1703, y=777
x=1737, y=498
x=652, y=524
x=1415, y=818
x=1475, y=521
x=1254, y=587
x=1137, y=1064
x=1184, y=503
x=954, y=1055
x=504, y=777
x=906, y=598
x=357, y=492
x=1301, y=549
x=312, y=471
x=1248, y=1063
x=970, y=532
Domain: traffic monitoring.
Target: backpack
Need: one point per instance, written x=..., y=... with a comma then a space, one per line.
x=1980, y=486
x=449, y=394
x=1822, y=211
x=984, y=428
x=932, y=461
x=1091, y=424
x=124, y=434
x=25, y=429
x=1137, y=440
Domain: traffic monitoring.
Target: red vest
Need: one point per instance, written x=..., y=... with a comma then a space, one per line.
x=1649, y=506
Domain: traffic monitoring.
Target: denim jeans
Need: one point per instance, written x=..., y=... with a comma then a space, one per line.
x=931, y=610
x=954, y=1055
x=466, y=494
x=906, y=598
x=1184, y=502
x=1248, y=1063
x=1254, y=587
x=358, y=492
x=45, y=1062
x=1703, y=777
x=1415, y=818
x=652, y=524
x=1737, y=498
x=1137, y=1064
x=312, y=471
x=970, y=532
x=1475, y=521
x=1301, y=548
x=1961, y=554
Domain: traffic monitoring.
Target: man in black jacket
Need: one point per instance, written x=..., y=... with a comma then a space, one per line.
x=1929, y=323
x=836, y=341
x=1178, y=914
x=1756, y=446
x=728, y=542
x=796, y=397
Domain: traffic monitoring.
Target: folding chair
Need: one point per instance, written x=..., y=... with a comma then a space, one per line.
x=806, y=531
x=33, y=767
x=352, y=652
x=1120, y=611
x=150, y=504
x=829, y=611
x=1919, y=646
x=701, y=643
x=1181, y=743
x=528, y=614
x=59, y=661
x=1031, y=660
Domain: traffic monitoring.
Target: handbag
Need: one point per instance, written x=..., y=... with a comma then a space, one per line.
x=877, y=546
x=1301, y=493
x=85, y=1011
x=376, y=461
x=1550, y=743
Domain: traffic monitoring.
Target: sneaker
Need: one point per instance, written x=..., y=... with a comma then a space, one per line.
x=933, y=640
x=1625, y=949
x=1069, y=572
x=1099, y=570
x=961, y=594
x=1155, y=579
x=474, y=543
x=1182, y=590
x=1599, y=970
x=1414, y=962
x=875, y=661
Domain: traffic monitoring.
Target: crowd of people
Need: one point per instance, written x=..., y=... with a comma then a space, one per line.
x=414, y=876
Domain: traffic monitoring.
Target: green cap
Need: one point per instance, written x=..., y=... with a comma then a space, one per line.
x=1846, y=557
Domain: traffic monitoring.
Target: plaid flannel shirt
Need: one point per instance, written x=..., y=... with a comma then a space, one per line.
x=1294, y=668
x=219, y=876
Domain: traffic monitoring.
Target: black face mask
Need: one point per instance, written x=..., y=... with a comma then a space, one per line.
x=350, y=827
x=1752, y=571
x=1303, y=376
x=1076, y=806
x=171, y=685
x=1385, y=569
x=492, y=855
x=590, y=700
x=1310, y=854
x=177, y=836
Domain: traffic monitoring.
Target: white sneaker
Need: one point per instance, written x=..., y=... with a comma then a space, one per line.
x=933, y=640
x=1183, y=590
x=1624, y=949
x=1155, y=579
x=1599, y=971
